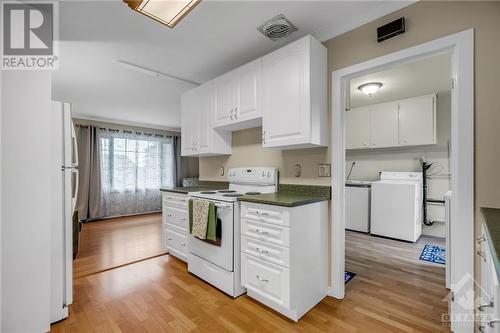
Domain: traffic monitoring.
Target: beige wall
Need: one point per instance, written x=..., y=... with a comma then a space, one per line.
x=425, y=21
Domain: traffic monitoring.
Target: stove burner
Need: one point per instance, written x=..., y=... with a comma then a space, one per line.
x=226, y=191
x=232, y=195
x=208, y=192
x=252, y=193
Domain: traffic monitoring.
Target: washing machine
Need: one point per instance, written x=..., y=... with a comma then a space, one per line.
x=396, y=205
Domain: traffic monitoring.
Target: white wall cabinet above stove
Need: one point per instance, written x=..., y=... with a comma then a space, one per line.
x=197, y=136
x=406, y=122
x=284, y=255
x=238, y=98
x=295, y=100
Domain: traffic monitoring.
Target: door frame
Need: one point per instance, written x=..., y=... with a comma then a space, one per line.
x=461, y=46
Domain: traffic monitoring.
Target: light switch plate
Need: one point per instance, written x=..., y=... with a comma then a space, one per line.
x=324, y=170
x=297, y=170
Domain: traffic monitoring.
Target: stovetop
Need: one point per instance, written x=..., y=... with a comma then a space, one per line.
x=222, y=195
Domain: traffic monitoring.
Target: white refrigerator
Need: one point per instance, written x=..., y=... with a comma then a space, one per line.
x=64, y=190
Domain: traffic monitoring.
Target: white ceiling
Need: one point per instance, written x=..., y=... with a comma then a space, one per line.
x=215, y=38
x=426, y=76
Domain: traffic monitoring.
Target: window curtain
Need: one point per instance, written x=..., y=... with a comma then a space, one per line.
x=134, y=166
x=89, y=199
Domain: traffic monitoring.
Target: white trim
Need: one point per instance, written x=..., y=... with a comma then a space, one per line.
x=461, y=46
x=124, y=122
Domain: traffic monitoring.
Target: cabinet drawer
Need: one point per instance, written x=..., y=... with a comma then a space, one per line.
x=174, y=199
x=266, y=213
x=269, y=281
x=176, y=243
x=266, y=232
x=176, y=216
x=263, y=250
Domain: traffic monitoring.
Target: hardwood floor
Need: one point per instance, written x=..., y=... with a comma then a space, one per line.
x=115, y=242
x=393, y=292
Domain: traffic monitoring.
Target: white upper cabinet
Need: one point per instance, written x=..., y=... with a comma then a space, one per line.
x=294, y=96
x=237, y=98
x=417, y=121
x=406, y=122
x=357, y=123
x=197, y=136
x=384, y=125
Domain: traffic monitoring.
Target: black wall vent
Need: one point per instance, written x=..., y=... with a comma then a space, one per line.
x=391, y=29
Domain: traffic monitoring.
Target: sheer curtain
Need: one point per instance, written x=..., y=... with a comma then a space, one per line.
x=134, y=166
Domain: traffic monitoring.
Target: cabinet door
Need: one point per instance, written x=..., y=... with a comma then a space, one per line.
x=224, y=98
x=188, y=126
x=203, y=118
x=357, y=127
x=417, y=119
x=286, y=108
x=249, y=91
x=384, y=125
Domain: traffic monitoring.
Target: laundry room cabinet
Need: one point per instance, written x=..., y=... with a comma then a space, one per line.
x=294, y=96
x=406, y=122
x=238, y=98
x=197, y=136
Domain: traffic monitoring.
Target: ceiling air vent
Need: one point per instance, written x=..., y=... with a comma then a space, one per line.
x=278, y=27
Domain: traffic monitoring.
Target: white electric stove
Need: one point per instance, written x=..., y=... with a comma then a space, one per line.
x=219, y=263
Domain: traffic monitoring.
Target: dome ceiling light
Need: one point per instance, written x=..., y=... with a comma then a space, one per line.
x=370, y=88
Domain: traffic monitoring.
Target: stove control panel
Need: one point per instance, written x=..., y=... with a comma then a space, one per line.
x=253, y=175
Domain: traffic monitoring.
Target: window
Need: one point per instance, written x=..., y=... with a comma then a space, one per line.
x=134, y=166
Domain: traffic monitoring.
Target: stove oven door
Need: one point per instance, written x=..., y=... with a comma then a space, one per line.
x=220, y=255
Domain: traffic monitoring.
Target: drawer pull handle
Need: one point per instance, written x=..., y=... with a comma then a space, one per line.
x=480, y=239
x=261, y=232
x=493, y=322
x=483, y=306
x=169, y=238
x=261, y=279
x=169, y=215
x=183, y=244
x=261, y=213
x=481, y=254
x=261, y=251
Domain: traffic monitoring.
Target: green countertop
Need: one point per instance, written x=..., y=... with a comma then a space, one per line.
x=291, y=195
x=202, y=186
x=492, y=228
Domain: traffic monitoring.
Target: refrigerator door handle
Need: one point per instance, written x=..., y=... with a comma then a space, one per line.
x=76, y=173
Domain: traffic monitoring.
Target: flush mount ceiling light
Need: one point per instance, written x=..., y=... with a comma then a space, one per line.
x=370, y=88
x=168, y=12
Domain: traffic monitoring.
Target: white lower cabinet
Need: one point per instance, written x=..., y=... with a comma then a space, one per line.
x=487, y=307
x=175, y=217
x=284, y=255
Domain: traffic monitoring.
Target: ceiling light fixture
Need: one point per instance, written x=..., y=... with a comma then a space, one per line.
x=168, y=12
x=370, y=88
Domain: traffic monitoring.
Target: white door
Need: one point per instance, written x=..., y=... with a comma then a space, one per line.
x=224, y=99
x=286, y=113
x=188, y=125
x=417, y=119
x=249, y=91
x=384, y=125
x=203, y=118
x=357, y=127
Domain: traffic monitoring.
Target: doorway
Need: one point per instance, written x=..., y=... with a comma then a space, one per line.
x=460, y=46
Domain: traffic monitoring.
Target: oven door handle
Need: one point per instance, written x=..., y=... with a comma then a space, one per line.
x=223, y=206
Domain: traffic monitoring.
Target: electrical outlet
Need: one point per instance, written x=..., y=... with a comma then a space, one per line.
x=297, y=170
x=221, y=171
x=324, y=170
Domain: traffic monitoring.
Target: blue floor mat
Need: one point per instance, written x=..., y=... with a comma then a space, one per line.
x=434, y=254
x=348, y=276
